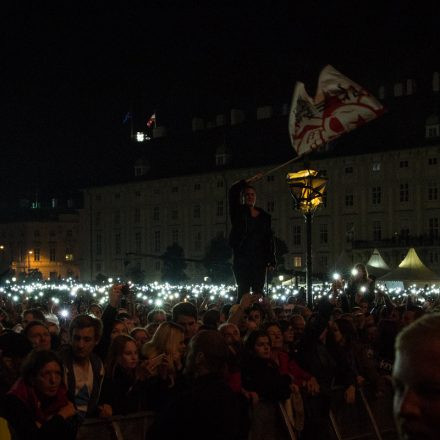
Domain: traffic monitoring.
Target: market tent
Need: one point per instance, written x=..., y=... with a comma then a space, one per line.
x=411, y=271
x=376, y=265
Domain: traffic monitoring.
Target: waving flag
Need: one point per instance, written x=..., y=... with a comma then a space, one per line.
x=152, y=120
x=340, y=105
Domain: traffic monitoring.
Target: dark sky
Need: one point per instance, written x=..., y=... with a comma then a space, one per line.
x=71, y=73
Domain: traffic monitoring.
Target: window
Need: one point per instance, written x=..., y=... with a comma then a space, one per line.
x=175, y=236
x=198, y=241
x=377, y=231
x=376, y=195
x=175, y=189
x=348, y=170
x=69, y=255
x=137, y=215
x=118, y=243
x=97, y=219
x=157, y=241
x=117, y=196
x=376, y=166
x=98, y=244
x=349, y=232
x=37, y=254
x=270, y=178
x=323, y=233
x=138, y=242
x=219, y=183
x=52, y=254
x=296, y=235
x=404, y=192
x=98, y=197
x=117, y=218
x=433, y=227
x=137, y=193
x=297, y=262
x=403, y=164
x=432, y=191
x=432, y=161
x=196, y=211
x=197, y=187
x=156, y=213
x=349, y=200
x=69, y=233
x=157, y=266
x=36, y=233
x=270, y=206
x=220, y=208
x=174, y=214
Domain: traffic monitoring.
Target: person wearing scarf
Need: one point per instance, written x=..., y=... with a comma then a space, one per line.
x=37, y=406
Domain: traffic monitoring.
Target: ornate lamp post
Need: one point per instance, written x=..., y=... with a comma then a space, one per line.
x=307, y=188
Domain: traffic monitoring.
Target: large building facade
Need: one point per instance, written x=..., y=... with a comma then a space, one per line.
x=387, y=200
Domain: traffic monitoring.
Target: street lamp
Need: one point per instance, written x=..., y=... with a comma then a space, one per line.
x=307, y=188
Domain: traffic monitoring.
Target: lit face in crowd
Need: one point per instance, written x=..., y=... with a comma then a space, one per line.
x=416, y=378
x=250, y=197
x=83, y=342
x=39, y=337
x=262, y=347
x=129, y=357
x=48, y=380
x=189, y=324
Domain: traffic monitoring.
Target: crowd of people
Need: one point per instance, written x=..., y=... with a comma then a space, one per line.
x=236, y=371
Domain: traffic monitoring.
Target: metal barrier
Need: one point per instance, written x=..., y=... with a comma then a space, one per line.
x=129, y=427
x=370, y=418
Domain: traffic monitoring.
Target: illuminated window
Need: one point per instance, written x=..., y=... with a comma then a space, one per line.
x=69, y=257
x=37, y=254
x=376, y=166
x=297, y=262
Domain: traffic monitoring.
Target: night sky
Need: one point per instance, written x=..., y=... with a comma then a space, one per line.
x=71, y=73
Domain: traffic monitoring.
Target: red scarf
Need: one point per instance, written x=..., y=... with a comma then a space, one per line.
x=28, y=396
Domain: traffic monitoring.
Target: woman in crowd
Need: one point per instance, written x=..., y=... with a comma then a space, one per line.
x=124, y=384
x=360, y=288
x=169, y=340
x=37, y=406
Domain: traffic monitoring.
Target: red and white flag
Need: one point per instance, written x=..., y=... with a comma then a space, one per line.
x=340, y=105
x=152, y=120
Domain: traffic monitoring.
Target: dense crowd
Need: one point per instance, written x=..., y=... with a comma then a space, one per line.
x=268, y=367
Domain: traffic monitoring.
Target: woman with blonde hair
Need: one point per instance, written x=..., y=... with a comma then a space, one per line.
x=169, y=340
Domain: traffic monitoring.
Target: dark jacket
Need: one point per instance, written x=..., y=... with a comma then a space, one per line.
x=240, y=218
x=97, y=368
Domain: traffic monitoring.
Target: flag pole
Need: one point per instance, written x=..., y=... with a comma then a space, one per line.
x=281, y=166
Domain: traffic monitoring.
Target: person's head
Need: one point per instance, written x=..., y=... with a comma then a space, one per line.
x=258, y=344
x=156, y=316
x=211, y=319
x=298, y=324
x=207, y=354
x=169, y=339
x=185, y=314
x=95, y=310
x=43, y=371
x=53, y=324
x=416, y=379
x=85, y=332
x=118, y=328
x=38, y=335
x=230, y=333
x=275, y=334
x=287, y=331
x=255, y=314
x=32, y=315
x=123, y=352
x=148, y=352
x=249, y=196
x=360, y=272
x=140, y=335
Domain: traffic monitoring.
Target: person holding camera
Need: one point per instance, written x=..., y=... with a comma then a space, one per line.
x=251, y=238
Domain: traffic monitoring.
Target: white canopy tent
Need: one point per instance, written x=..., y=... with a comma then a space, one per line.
x=376, y=265
x=410, y=271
